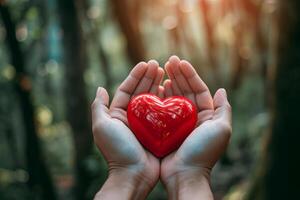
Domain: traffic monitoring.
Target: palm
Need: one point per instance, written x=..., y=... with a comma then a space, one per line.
x=110, y=126
x=123, y=147
x=205, y=144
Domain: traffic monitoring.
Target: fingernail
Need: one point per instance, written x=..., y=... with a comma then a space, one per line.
x=174, y=57
x=98, y=91
x=224, y=92
x=153, y=62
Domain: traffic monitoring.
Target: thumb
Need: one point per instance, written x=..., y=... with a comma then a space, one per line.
x=100, y=105
x=222, y=106
x=102, y=96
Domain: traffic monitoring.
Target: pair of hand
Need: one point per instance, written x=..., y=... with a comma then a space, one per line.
x=133, y=171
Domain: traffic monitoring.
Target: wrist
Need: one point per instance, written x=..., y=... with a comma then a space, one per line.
x=125, y=184
x=190, y=183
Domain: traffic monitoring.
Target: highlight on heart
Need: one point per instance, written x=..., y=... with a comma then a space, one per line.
x=161, y=125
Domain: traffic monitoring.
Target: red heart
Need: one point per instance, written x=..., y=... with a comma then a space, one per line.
x=161, y=125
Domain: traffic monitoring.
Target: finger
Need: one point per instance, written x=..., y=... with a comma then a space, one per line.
x=179, y=77
x=100, y=105
x=222, y=106
x=203, y=97
x=159, y=76
x=173, y=60
x=126, y=89
x=172, y=63
x=168, y=88
x=161, y=92
x=175, y=89
x=146, y=82
x=168, y=70
x=178, y=80
x=195, y=82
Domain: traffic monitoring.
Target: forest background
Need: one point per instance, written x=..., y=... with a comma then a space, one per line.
x=55, y=53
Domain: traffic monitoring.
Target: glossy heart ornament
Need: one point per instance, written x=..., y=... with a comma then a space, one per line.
x=161, y=125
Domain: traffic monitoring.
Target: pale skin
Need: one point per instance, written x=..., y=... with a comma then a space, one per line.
x=133, y=171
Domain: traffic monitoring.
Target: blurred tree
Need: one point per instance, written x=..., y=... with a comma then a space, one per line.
x=238, y=63
x=253, y=19
x=95, y=35
x=209, y=24
x=277, y=176
x=179, y=33
x=39, y=179
x=253, y=12
x=76, y=100
x=106, y=66
x=127, y=15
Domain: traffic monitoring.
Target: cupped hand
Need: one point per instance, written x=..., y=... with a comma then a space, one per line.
x=195, y=158
x=123, y=153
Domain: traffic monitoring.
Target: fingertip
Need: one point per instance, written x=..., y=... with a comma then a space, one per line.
x=185, y=63
x=153, y=62
x=102, y=95
x=168, y=91
x=223, y=91
x=167, y=82
x=160, y=71
x=169, y=70
x=98, y=91
x=174, y=59
x=141, y=64
x=187, y=68
x=220, y=98
x=158, y=79
x=174, y=65
x=139, y=70
x=161, y=91
x=160, y=74
x=222, y=107
x=184, y=66
x=174, y=62
x=152, y=69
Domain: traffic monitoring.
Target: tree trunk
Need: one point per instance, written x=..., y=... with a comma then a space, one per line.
x=39, y=181
x=106, y=66
x=77, y=104
x=205, y=9
x=127, y=17
x=278, y=175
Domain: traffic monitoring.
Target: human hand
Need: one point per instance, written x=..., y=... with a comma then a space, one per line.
x=133, y=171
x=186, y=172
